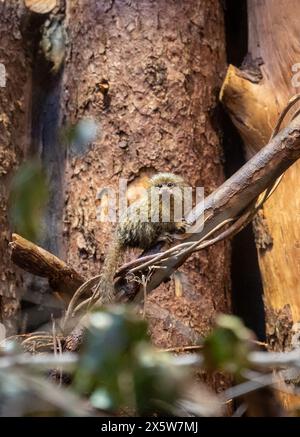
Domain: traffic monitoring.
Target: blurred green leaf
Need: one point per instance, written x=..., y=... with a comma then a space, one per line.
x=28, y=197
x=80, y=135
x=119, y=368
x=156, y=380
x=228, y=345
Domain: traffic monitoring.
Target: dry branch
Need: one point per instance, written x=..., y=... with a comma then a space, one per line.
x=40, y=262
x=231, y=198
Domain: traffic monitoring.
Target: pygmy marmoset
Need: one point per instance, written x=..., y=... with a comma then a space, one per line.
x=138, y=229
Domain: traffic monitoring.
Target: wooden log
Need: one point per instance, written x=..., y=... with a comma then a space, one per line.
x=32, y=258
x=254, y=96
x=41, y=6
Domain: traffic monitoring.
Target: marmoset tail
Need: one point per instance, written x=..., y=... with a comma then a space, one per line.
x=138, y=229
x=109, y=268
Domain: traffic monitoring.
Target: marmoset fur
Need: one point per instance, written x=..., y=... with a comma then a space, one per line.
x=137, y=229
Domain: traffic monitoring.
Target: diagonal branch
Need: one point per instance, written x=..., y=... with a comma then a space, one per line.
x=226, y=204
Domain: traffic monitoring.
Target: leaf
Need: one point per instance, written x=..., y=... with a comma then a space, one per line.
x=81, y=135
x=228, y=346
x=28, y=197
x=119, y=368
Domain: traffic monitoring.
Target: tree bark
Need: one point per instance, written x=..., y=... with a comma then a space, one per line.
x=13, y=144
x=254, y=96
x=162, y=63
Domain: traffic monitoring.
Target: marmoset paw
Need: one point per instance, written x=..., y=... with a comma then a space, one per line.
x=181, y=227
x=169, y=238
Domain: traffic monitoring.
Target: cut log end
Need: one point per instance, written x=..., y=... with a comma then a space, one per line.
x=40, y=262
x=41, y=6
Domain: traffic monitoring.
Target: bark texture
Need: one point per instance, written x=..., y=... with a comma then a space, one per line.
x=13, y=143
x=162, y=63
x=255, y=95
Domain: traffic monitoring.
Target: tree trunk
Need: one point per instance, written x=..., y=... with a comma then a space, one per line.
x=254, y=96
x=13, y=144
x=162, y=63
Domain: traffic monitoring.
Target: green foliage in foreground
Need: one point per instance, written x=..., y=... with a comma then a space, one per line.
x=119, y=368
x=119, y=371
x=28, y=197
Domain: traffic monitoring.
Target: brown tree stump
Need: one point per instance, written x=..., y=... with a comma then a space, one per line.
x=254, y=96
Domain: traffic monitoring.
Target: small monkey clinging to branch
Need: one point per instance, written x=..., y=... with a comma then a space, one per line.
x=138, y=229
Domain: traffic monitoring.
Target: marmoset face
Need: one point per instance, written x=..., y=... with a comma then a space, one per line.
x=167, y=183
